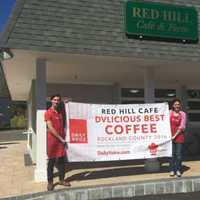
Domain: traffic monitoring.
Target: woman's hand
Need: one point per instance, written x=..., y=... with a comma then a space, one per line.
x=174, y=136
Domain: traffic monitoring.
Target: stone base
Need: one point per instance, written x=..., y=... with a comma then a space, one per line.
x=152, y=165
x=40, y=175
x=120, y=191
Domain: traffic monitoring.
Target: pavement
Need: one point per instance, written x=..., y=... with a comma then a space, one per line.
x=16, y=173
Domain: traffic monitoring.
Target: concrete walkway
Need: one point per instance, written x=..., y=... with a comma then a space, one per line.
x=16, y=177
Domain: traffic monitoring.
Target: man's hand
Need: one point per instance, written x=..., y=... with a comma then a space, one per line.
x=62, y=140
x=65, y=145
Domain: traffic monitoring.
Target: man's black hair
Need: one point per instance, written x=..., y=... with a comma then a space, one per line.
x=55, y=95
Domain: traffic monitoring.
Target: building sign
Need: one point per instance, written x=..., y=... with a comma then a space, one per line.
x=161, y=20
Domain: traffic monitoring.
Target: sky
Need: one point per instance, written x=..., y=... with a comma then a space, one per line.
x=5, y=8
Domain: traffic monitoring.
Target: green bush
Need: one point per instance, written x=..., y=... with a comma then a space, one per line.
x=18, y=121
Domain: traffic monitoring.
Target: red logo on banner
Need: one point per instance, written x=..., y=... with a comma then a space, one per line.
x=78, y=131
x=153, y=149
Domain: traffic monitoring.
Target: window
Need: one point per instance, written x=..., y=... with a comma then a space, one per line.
x=132, y=92
x=193, y=105
x=193, y=94
x=132, y=102
x=193, y=117
x=132, y=95
x=136, y=95
x=165, y=93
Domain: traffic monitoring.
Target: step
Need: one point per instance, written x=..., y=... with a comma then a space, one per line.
x=131, y=189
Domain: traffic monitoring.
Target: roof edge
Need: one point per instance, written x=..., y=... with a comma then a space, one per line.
x=15, y=12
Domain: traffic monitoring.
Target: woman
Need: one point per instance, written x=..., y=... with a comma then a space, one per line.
x=177, y=122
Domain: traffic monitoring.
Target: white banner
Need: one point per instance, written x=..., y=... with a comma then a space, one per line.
x=117, y=132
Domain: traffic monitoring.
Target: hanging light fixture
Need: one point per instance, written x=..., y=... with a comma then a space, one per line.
x=5, y=54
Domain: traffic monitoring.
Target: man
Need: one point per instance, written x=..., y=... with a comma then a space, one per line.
x=56, y=143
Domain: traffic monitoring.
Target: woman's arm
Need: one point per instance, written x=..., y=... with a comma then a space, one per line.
x=183, y=121
x=181, y=128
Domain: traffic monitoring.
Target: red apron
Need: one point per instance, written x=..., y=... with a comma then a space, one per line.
x=55, y=148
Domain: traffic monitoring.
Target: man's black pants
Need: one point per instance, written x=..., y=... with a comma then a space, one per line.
x=61, y=168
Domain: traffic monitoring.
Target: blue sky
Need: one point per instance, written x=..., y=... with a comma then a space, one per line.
x=5, y=8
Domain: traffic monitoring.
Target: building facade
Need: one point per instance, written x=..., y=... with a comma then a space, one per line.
x=83, y=50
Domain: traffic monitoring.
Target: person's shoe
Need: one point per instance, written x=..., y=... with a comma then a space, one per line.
x=65, y=183
x=172, y=173
x=178, y=174
x=50, y=186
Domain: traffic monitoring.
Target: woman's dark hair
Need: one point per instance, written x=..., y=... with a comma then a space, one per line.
x=55, y=95
x=175, y=100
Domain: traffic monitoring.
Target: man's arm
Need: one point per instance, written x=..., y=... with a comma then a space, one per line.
x=54, y=132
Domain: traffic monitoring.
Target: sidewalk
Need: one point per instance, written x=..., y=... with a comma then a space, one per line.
x=16, y=178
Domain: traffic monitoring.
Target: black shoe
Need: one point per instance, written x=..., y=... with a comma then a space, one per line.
x=50, y=186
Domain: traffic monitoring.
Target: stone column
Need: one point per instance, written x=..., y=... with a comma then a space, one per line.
x=181, y=93
x=40, y=104
x=149, y=85
x=116, y=93
x=151, y=165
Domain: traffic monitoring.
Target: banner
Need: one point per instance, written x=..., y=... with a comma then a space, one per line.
x=117, y=132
